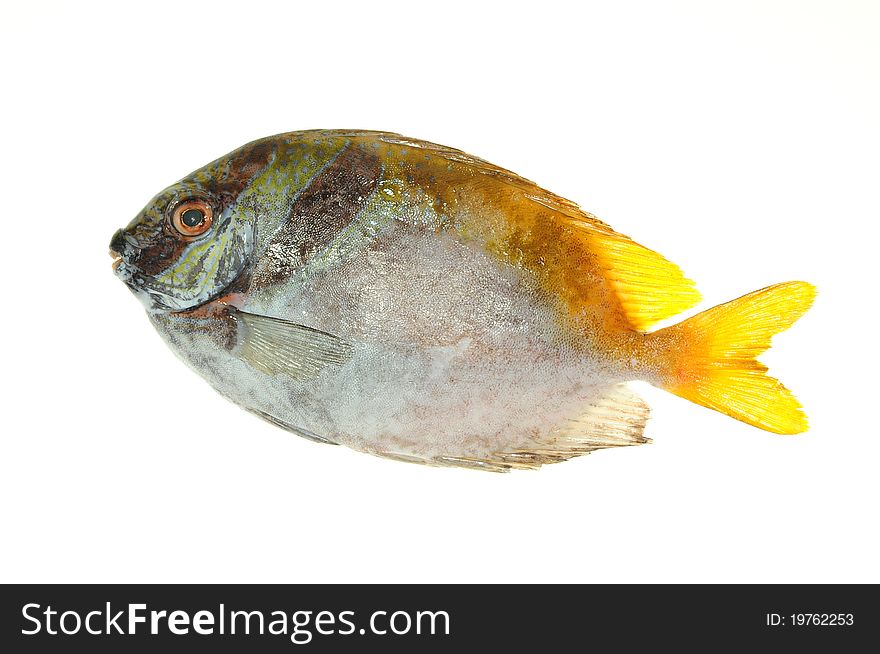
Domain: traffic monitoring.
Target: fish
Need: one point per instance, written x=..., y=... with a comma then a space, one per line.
x=414, y=302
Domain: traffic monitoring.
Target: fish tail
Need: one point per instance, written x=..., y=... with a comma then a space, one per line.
x=710, y=359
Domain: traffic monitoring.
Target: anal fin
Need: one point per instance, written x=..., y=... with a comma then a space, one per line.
x=616, y=417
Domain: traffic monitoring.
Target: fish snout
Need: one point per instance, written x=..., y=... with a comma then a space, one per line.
x=117, y=243
x=118, y=248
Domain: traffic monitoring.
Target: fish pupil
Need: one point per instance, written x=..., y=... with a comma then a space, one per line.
x=192, y=217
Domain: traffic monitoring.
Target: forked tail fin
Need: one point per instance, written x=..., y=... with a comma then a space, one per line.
x=711, y=357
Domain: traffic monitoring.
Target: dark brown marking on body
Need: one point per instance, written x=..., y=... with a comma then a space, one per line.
x=216, y=316
x=324, y=208
x=240, y=169
x=213, y=319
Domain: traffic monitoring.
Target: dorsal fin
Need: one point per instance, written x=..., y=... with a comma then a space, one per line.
x=528, y=188
x=648, y=286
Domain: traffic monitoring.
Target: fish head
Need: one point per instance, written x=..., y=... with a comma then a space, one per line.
x=193, y=240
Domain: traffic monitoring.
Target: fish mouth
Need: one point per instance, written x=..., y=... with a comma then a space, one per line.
x=117, y=259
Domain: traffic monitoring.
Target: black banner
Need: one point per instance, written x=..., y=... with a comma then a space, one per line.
x=317, y=618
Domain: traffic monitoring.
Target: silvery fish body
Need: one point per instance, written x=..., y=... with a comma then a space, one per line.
x=411, y=301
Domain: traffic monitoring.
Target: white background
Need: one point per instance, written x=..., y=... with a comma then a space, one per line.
x=739, y=139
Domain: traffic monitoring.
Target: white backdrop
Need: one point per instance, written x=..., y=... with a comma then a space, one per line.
x=738, y=139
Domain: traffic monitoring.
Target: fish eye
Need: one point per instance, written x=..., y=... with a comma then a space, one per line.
x=192, y=217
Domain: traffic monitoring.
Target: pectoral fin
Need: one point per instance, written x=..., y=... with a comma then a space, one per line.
x=277, y=346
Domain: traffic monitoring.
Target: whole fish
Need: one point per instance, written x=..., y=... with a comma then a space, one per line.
x=411, y=301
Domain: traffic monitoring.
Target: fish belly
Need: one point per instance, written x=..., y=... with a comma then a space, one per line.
x=455, y=354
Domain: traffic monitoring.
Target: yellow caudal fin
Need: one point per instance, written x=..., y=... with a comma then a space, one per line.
x=711, y=357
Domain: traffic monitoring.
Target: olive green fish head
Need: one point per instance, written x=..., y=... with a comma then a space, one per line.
x=194, y=239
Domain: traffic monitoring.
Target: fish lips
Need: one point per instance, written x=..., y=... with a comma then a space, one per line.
x=121, y=252
x=117, y=259
x=118, y=245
